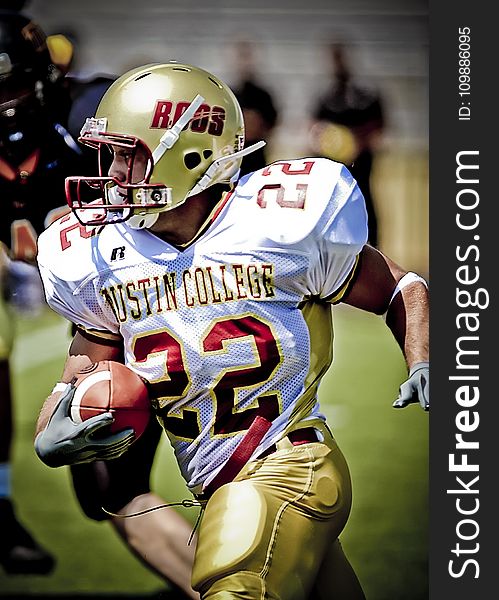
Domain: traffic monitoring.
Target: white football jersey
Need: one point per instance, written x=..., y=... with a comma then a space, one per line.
x=238, y=323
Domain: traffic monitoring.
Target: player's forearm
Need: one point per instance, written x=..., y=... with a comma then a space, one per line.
x=46, y=411
x=72, y=366
x=408, y=319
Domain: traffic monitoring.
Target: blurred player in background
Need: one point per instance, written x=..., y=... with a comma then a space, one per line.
x=348, y=121
x=35, y=156
x=218, y=291
x=259, y=108
x=84, y=91
x=37, y=152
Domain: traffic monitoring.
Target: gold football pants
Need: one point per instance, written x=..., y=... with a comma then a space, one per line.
x=266, y=534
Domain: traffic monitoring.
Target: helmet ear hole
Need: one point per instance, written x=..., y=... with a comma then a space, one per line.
x=192, y=160
x=207, y=154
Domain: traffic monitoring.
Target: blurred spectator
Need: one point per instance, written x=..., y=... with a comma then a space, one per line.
x=257, y=103
x=347, y=123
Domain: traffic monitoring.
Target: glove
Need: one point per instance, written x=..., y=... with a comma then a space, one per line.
x=416, y=388
x=64, y=442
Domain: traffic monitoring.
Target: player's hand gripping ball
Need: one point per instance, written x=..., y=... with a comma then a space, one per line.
x=109, y=386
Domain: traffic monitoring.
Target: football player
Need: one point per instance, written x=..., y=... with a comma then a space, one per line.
x=218, y=292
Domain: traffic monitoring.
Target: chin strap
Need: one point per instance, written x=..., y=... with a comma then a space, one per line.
x=218, y=171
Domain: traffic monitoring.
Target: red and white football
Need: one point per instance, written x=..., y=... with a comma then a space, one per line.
x=109, y=386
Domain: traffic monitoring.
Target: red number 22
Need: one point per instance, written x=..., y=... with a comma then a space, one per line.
x=221, y=336
x=280, y=190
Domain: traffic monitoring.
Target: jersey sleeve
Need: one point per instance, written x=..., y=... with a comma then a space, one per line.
x=340, y=239
x=68, y=287
x=311, y=207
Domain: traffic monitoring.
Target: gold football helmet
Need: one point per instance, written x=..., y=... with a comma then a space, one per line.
x=187, y=122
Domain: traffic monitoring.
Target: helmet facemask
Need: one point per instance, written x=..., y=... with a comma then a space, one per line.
x=105, y=199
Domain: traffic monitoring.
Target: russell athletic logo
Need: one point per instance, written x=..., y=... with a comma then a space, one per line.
x=209, y=119
x=118, y=253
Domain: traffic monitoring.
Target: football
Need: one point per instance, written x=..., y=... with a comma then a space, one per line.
x=109, y=386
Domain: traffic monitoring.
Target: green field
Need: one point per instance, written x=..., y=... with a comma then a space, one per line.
x=387, y=450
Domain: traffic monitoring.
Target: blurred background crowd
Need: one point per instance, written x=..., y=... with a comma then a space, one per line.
x=296, y=52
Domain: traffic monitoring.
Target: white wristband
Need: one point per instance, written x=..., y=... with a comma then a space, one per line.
x=60, y=386
x=407, y=279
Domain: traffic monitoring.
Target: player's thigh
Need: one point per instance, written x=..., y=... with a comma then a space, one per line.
x=113, y=484
x=267, y=531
